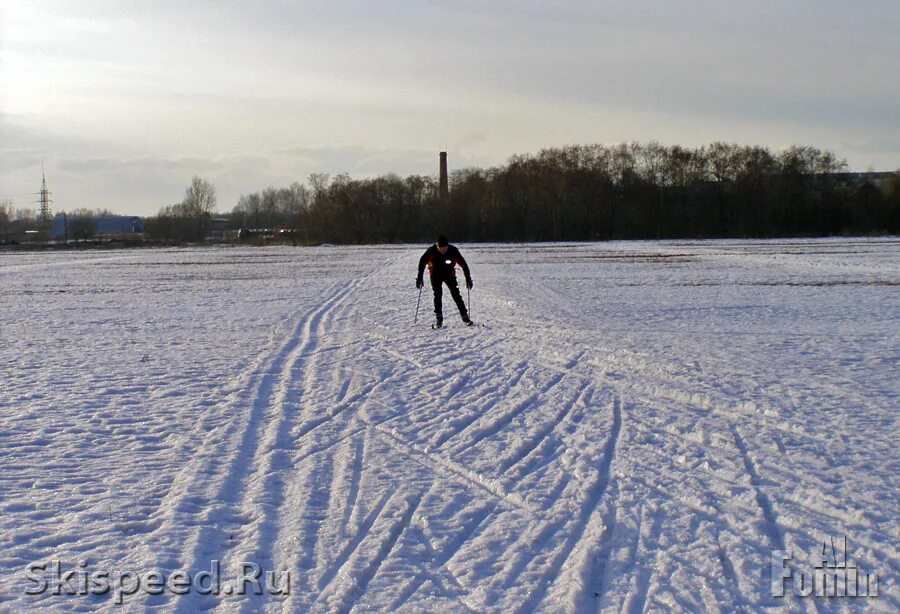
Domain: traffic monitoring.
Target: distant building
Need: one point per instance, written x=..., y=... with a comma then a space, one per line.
x=219, y=228
x=879, y=178
x=108, y=227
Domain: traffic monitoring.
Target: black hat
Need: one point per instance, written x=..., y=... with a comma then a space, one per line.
x=442, y=241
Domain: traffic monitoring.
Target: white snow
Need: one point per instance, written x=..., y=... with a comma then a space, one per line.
x=638, y=426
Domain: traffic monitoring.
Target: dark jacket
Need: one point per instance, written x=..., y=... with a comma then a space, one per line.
x=442, y=267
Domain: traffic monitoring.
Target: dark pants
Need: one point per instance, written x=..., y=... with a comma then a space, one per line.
x=436, y=283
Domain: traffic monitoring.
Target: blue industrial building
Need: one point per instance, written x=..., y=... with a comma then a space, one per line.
x=105, y=227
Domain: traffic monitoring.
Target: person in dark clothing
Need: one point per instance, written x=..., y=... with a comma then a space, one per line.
x=441, y=260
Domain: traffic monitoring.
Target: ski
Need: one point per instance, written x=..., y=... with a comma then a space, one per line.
x=470, y=324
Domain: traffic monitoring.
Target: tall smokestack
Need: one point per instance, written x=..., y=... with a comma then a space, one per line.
x=445, y=184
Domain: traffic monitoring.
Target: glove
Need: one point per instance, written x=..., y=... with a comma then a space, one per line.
x=419, y=283
x=469, y=283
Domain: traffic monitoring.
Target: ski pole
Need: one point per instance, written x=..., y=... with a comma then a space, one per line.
x=416, y=319
x=469, y=301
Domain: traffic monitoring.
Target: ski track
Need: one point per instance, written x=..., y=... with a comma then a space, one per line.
x=196, y=495
x=451, y=468
x=591, y=505
x=765, y=505
x=439, y=560
x=496, y=424
x=273, y=493
x=636, y=600
x=255, y=470
x=255, y=461
x=540, y=466
x=522, y=452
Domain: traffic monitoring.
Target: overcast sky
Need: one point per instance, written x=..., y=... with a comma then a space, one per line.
x=126, y=100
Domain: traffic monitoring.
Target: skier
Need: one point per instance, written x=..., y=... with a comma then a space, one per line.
x=441, y=259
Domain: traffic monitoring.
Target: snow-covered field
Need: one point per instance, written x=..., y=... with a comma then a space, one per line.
x=638, y=427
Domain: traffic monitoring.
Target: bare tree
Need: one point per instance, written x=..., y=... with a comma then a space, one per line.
x=6, y=215
x=248, y=210
x=199, y=203
x=295, y=200
x=652, y=162
x=269, y=205
x=723, y=161
x=200, y=197
x=81, y=228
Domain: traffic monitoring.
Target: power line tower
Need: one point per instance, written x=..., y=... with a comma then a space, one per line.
x=45, y=219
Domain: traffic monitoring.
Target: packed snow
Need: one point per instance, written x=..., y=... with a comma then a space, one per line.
x=631, y=427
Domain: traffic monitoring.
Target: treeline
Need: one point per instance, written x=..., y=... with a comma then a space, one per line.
x=595, y=192
x=339, y=209
x=575, y=193
x=16, y=223
x=651, y=191
x=187, y=221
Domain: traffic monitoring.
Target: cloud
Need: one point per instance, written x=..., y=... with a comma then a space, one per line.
x=125, y=100
x=360, y=160
x=131, y=166
x=144, y=184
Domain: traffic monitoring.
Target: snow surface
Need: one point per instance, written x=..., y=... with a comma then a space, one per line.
x=637, y=427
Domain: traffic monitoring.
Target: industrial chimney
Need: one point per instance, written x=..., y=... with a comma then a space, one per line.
x=444, y=185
